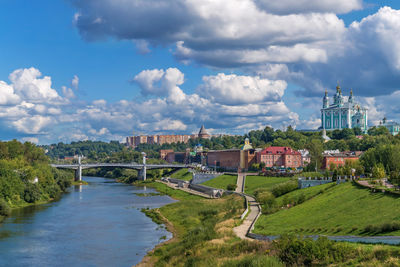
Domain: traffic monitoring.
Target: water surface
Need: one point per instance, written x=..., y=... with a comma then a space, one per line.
x=99, y=224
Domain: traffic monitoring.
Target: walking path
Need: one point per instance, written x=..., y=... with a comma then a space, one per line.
x=253, y=207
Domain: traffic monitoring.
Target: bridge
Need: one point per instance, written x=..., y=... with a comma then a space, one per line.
x=141, y=167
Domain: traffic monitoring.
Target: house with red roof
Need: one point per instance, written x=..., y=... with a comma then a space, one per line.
x=279, y=156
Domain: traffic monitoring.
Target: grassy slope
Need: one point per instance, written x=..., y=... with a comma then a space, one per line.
x=256, y=182
x=341, y=210
x=221, y=181
x=308, y=193
x=182, y=174
x=203, y=233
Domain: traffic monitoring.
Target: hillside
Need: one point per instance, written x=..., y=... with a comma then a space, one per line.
x=253, y=183
x=340, y=210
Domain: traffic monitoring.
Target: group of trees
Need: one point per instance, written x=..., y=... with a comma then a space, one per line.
x=383, y=160
x=89, y=149
x=26, y=176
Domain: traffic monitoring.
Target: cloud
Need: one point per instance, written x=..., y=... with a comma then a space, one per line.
x=234, y=90
x=162, y=83
x=308, y=6
x=30, y=87
x=302, y=42
x=75, y=82
x=7, y=94
x=32, y=124
x=245, y=33
x=34, y=140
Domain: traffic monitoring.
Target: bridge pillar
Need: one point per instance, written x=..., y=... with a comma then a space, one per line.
x=142, y=173
x=78, y=172
x=144, y=169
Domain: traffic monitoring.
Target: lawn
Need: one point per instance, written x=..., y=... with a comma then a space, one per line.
x=341, y=210
x=221, y=181
x=255, y=182
x=182, y=174
x=306, y=193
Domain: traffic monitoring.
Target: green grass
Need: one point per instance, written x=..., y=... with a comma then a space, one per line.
x=307, y=193
x=221, y=181
x=255, y=182
x=166, y=190
x=342, y=210
x=182, y=174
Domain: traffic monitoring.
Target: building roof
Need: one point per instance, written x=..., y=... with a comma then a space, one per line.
x=344, y=154
x=203, y=131
x=280, y=150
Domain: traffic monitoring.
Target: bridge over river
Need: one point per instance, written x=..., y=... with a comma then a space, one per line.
x=141, y=167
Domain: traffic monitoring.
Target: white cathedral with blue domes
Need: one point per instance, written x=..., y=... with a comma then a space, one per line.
x=343, y=114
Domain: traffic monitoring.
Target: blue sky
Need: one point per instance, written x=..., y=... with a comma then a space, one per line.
x=151, y=67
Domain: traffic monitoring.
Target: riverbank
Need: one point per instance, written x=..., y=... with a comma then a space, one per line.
x=203, y=236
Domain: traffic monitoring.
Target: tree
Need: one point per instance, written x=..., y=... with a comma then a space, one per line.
x=315, y=148
x=378, y=171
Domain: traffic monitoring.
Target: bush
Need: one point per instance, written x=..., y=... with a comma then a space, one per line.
x=5, y=209
x=300, y=251
x=283, y=188
x=382, y=228
x=231, y=187
x=31, y=193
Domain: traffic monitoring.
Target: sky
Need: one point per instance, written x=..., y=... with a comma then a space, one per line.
x=105, y=69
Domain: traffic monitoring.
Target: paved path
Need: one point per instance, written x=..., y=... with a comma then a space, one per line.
x=240, y=183
x=254, y=210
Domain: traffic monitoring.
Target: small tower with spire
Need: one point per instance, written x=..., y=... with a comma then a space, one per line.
x=326, y=100
x=351, y=96
x=338, y=96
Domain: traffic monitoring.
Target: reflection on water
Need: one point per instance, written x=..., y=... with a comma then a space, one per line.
x=99, y=224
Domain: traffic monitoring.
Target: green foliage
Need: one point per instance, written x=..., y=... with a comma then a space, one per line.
x=380, y=130
x=31, y=193
x=91, y=149
x=378, y=171
x=382, y=227
x=231, y=187
x=298, y=251
x=283, y=188
x=5, y=209
x=315, y=147
x=255, y=261
x=26, y=176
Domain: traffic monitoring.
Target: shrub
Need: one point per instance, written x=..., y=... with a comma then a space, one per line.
x=283, y=188
x=300, y=251
x=5, y=209
x=231, y=187
x=31, y=193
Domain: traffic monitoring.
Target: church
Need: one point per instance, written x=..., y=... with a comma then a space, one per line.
x=343, y=114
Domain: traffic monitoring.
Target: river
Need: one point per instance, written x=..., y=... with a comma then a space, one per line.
x=99, y=224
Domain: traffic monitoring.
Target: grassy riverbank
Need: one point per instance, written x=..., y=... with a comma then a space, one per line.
x=203, y=234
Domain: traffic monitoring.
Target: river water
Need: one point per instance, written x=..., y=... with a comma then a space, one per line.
x=99, y=224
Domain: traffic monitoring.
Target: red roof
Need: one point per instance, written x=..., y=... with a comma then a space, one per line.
x=275, y=150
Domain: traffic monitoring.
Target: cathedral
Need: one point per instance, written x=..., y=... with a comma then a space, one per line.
x=343, y=114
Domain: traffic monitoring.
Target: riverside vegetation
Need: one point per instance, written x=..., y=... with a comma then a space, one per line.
x=203, y=236
x=26, y=177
